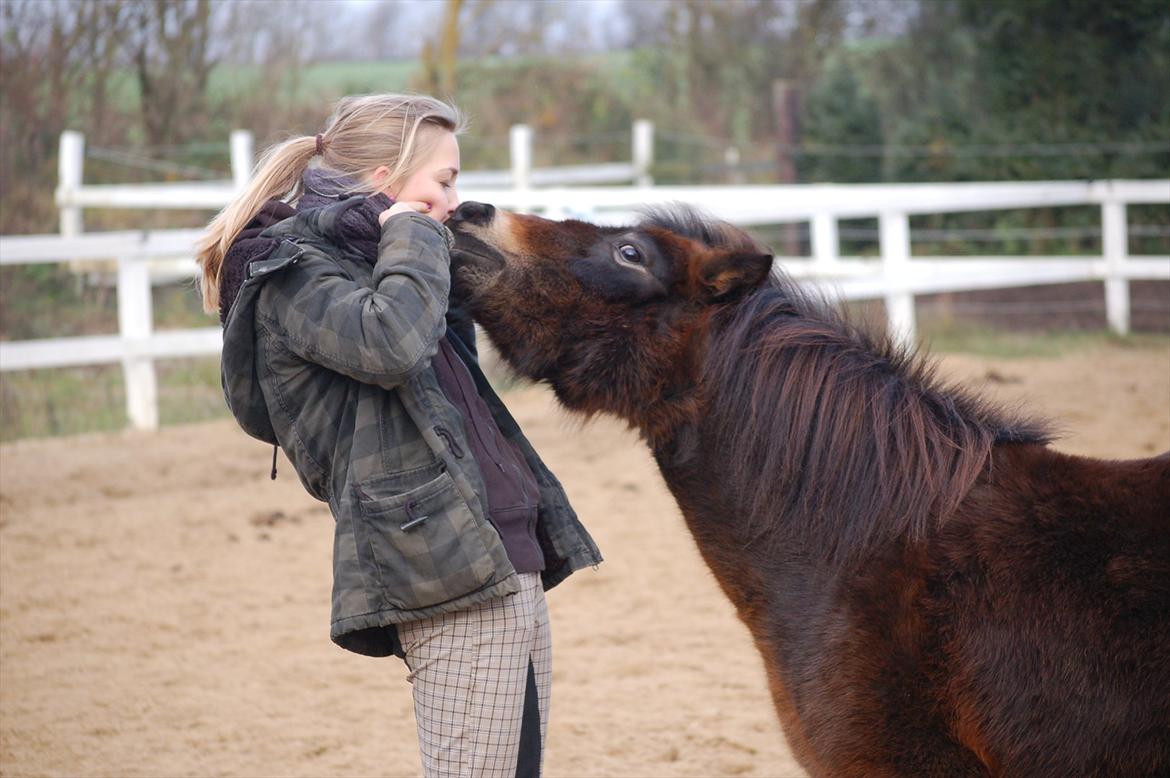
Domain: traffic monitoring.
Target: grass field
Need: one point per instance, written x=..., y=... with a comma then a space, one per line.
x=333, y=79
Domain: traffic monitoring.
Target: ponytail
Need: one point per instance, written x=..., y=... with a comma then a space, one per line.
x=278, y=174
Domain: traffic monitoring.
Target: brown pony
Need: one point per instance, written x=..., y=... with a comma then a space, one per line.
x=935, y=592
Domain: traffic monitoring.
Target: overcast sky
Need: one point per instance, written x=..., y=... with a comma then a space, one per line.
x=579, y=24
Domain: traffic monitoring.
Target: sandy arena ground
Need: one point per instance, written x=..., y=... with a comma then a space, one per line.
x=164, y=606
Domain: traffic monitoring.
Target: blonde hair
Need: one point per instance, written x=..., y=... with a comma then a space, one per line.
x=364, y=133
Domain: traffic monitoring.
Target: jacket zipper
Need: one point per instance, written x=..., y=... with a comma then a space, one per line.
x=474, y=421
x=497, y=442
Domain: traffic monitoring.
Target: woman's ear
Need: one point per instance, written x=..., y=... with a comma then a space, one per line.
x=381, y=178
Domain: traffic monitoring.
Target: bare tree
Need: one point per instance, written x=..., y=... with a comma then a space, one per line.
x=718, y=61
x=388, y=29
x=172, y=57
x=440, y=56
x=55, y=64
x=48, y=50
x=256, y=32
x=489, y=28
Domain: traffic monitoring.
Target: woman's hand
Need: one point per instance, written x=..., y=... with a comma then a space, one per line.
x=406, y=206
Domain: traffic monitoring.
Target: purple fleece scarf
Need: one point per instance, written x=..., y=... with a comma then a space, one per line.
x=359, y=231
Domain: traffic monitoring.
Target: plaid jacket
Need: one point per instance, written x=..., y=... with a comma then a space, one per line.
x=330, y=358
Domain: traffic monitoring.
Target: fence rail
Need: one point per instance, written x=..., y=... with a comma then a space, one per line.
x=895, y=276
x=73, y=195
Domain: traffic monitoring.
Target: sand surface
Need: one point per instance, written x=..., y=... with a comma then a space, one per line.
x=164, y=605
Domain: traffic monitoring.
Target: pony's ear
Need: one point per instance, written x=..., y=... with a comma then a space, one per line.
x=726, y=276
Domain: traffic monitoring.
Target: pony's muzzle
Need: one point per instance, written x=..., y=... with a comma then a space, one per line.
x=473, y=213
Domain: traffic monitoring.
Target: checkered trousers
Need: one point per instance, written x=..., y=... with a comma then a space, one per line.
x=471, y=671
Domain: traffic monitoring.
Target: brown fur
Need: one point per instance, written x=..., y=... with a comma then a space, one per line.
x=934, y=590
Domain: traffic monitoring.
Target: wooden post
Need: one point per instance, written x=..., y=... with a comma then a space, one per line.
x=1115, y=247
x=70, y=169
x=241, y=145
x=643, y=152
x=135, y=325
x=894, y=234
x=784, y=108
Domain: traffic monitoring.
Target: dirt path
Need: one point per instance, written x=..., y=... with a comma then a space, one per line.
x=164, y=606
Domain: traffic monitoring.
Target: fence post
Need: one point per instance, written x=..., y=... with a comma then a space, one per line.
x=731, y=163
x=894, y=234
x=643, y=152
x=135, y=324
x=1115, y=247
x=241, y=145
x=70, y=168
x=825, y=243
x=520, y=146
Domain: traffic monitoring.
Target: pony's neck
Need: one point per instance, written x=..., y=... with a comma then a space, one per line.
x=834, y=437
x=652, y=386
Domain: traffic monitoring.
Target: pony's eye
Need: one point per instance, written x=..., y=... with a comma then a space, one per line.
x=630, y=253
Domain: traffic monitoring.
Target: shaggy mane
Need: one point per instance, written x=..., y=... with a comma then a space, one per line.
x=835, y=436
x=690, y=222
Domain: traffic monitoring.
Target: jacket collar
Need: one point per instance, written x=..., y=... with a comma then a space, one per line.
x=354, y=228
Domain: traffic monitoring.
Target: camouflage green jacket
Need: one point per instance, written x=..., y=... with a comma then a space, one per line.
x=330, y=358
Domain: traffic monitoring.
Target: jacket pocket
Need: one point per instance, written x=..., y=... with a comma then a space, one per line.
x=423, y=545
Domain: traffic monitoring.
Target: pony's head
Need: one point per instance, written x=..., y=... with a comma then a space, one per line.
x=676, y=325
x=613, y=318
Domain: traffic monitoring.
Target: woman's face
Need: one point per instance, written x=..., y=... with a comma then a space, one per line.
x=434, y=182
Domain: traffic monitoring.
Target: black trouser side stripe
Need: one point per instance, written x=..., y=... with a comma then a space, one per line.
x=528, y=763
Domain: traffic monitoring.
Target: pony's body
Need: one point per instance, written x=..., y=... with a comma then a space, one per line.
x=934, y=591
x=1022, y=638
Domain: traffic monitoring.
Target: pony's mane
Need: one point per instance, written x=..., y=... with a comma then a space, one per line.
x=690, y=222
x=834, y=436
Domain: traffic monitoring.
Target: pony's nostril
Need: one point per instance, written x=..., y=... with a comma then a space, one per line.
x=476, y=213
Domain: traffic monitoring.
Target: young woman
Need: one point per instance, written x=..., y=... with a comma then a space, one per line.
x=331, y=275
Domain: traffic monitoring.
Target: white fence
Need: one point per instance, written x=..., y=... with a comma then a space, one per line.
x=73, y=195
x=895, y=276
